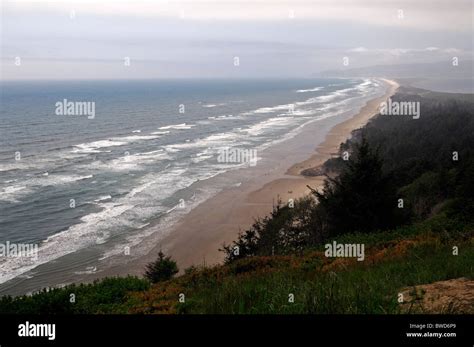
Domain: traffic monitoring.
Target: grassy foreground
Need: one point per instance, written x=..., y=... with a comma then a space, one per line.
x=281, y=267
x=311, y=283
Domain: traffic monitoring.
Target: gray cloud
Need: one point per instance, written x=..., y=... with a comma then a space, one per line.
x=160, y=44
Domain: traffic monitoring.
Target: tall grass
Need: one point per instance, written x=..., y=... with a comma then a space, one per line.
x=359, y=288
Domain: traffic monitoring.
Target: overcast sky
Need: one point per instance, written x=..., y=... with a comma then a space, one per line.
x=64, y=39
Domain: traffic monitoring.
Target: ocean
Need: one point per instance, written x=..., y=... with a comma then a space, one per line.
x=84, y=188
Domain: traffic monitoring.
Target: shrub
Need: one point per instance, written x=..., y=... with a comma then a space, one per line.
x=162, y=269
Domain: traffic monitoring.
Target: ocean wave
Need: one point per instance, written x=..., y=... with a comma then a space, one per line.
x=164, y=186
x=292, y=107
x=102, y=198
x=131, y=161
x=181, y=126
x=214, y=140
x=135, y=138
x=213, y=105
x=96, y=146
x=24, y=164
x=153, y=234
x=23, y=188
x=95, y=228
x=271, y=109
x=206, y=154
x=309, y=90
x=269, y=124
x=68, y=241
x=13, y=193
x=228, y=116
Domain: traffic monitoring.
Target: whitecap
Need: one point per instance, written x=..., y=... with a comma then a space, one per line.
x=309, y=90
x=181, y=126
x=96, y=146
x=103, y=197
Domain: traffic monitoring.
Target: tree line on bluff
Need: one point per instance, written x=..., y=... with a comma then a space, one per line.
x=400, y=171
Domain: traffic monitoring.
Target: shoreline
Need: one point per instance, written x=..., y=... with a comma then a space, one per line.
x=342, y=131
x=195, y=240
x=240, y=197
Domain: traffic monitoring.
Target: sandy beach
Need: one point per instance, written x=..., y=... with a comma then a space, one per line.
x=196, y=238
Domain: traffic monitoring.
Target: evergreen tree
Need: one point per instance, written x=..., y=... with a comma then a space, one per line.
x=361, y=198
x=162, y=269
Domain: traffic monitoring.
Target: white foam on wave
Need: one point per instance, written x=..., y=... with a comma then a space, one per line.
x=296, y=130
x=95, y=228
x=271, y=109
x=25, y=164
x=309, y=90
x=96, y=146
x=290, y=108
x=135, y=138
x=10, y=181
x=171, y=216
x=62, y=179
x=327, y=111
x=181, y=126
x=366, y=82
x=222, y=117
x=12, y=193
x=213, y=105
x=214, y=140
x=269, y=124
x=65, y=242
x=23, y=188
x=326, y=98
x=132, y=161
x=102, y=198
x=206, y=154
x=366, y=85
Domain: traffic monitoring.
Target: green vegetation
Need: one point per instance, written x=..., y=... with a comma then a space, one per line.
x=392, y=158
x=411, y=255
x=354, y=289
x=278, y=265
x=162, y=269
x=104, y=296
